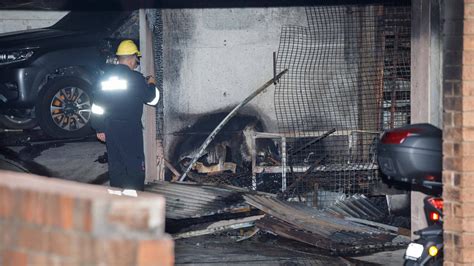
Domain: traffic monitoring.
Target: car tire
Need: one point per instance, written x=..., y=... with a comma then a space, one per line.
x=64, y=107
x=14, y=122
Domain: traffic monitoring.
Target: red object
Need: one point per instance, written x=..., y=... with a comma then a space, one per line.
x=398, y=136
x=437, y=203
x=430, y=178
x=434, y=216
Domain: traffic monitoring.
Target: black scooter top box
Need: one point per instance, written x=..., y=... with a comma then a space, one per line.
x=412, y=154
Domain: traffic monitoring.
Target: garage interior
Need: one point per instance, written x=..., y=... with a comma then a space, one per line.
x=292, y=177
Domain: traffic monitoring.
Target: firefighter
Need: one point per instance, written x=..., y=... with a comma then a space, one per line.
x=116, y=116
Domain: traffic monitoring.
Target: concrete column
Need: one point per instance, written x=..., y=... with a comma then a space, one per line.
x=149, y=113
x=426, y=99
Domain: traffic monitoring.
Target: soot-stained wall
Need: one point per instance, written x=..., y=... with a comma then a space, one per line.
x=214, y=58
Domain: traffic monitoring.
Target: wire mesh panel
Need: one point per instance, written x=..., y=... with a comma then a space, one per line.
x=348, y=79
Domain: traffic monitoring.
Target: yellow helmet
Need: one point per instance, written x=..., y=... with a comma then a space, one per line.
x=127, y=47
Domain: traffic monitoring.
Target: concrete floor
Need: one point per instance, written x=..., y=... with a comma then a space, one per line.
x=77, y=162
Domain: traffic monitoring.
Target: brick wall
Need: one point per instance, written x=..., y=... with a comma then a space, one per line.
x=458, y=139
x=54, y=222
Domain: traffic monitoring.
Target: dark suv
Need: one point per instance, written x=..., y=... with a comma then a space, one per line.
x=47, y=75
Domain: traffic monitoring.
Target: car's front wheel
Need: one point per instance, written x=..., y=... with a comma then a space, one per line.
x=64, y=107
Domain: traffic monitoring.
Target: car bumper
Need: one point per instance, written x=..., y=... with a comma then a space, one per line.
x=16, y=87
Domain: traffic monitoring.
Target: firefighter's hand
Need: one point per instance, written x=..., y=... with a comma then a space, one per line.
x=101, y=136
x=151, y=80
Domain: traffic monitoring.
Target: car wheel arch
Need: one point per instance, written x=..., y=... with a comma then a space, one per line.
x=87, y=74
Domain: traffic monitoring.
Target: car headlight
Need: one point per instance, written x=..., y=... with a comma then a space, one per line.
x=13, y=56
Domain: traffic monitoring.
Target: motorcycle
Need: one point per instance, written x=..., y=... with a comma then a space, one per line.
x=427, y=249
x=413, y=154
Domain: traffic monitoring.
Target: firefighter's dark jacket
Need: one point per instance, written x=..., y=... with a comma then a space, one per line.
x=123, y=105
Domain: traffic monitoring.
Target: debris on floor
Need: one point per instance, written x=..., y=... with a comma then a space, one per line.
x=351, y=226
x=193, y=201
x=322, y=229
x=260, y=250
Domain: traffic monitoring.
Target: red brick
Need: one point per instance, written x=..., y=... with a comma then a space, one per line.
x=466, y=149
x=67, y=262
x=468, y=103
x=449, y=254
x=31, y=207
x=448, y=149
x=448, y=238
x=448, y=209
x=468, y=58
x=468, y=10
x=468, y=43
x=52, y=208
x=468, y=134
x=32, y=238
x=452, y=164
x=38, y=259
x=465, y=255
x=130, y=216
x=466, y=195
x=467, y=163
x=457, y=119
x=66, y=211
x=453, y=104
x=116, y=252
x=468, y=26
x=468, y=73
x=463, y=210
x=6, y=202
x=14, y=258
x=452, y=134
x=467, y=180
x=156, y=252
x=451, y=194
x=448, y=119
x=26, y=205
x=62, y=243
x=87, y=249
x=468, y=88
x=453, y=224
x=82, y=215
x=465, y=240
x=468, y=119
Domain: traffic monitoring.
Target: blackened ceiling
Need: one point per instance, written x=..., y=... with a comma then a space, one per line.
x=135, y=4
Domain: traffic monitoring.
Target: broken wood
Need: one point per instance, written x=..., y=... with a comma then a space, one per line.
x=226, y=119
x=249, y=234
x=221, y=226
x=171, y=167
x=216, y=168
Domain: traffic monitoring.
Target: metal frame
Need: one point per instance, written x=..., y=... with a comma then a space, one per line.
x=301, y=169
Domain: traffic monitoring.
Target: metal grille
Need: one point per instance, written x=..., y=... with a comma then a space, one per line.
x=349, y=72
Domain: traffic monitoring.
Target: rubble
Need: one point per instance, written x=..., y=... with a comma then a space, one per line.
x=185, y=200
x=320, y=228
x=349, y=227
